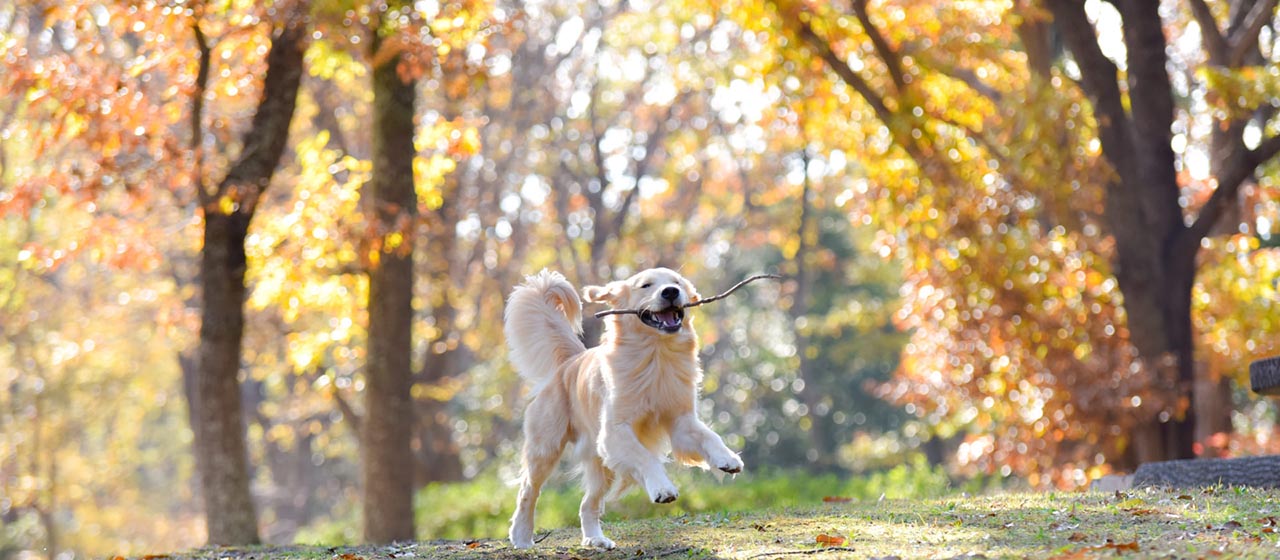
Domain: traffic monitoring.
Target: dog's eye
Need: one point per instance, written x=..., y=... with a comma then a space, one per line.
x=646, y=285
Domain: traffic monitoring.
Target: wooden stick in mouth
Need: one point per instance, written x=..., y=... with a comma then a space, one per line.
x=696, y=303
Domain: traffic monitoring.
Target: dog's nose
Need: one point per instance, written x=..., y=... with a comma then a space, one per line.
x=670, y=293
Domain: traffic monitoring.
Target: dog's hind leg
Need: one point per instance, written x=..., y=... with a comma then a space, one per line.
x=596, y=479
x=545, y=432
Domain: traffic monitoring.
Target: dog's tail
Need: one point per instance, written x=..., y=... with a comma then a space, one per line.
x=542, y=323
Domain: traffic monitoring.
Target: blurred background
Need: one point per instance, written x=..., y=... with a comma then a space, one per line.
x=972, y=203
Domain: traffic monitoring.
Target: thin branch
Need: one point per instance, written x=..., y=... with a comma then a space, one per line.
x=890, y=57
x=1098, y=78
x=1236, y=171
x=1214, y=43
x=197, y=110
x=1266, y=150
x=1245, y=38
x=357, y=423
x=696, y=303
x=654, y=141
x=806, y=551
x=838, y=65
x=668, y=552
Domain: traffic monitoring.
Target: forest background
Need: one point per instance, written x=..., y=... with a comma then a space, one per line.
x=253, y=256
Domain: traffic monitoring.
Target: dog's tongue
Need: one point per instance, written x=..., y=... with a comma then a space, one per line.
x=668, y=318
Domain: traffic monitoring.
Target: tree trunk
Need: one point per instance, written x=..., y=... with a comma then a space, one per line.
x=220, y=437
x=388, y=458
x=221, y=456
x=1155, y=264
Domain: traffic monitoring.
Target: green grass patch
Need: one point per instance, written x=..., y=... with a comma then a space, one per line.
x=1211, y=523
x=481, y=508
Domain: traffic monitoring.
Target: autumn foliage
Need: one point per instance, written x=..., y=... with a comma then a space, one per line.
x=936, y=181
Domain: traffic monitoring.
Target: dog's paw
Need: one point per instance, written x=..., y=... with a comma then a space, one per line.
x=520, y=539
x=731, y=464
x=598, y=542
x=664, y=495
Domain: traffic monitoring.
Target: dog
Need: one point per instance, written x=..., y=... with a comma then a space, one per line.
x=623, y=405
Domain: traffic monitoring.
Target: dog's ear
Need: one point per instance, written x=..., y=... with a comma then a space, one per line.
x=608, y=293
x=694, y=296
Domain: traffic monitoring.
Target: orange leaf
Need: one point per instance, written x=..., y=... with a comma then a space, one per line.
x=830, y=540
x=836, y=499
x=1130, y=546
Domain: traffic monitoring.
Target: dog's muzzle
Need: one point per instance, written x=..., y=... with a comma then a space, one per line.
x=668, y=320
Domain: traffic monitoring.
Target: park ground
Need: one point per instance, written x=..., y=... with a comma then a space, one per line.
x=1144, y=523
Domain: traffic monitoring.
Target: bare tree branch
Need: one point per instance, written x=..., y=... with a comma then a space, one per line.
x=890, y=57
x=1210, y=35
x=838, y=65
x=197, y=110
x=1098, y=75
x=1237, y=170
x=1245, y=38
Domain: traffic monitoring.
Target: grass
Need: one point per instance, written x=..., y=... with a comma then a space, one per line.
x=1210, y=523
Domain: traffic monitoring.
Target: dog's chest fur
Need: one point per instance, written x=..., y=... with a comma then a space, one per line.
x=651, y=385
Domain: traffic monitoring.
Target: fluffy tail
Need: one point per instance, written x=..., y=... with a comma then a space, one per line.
x=542, y=323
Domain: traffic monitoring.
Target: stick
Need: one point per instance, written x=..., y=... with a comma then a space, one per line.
x=677, y=550
x=805, y=551
x=696, y=303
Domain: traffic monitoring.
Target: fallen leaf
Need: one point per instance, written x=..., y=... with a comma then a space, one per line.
x=1130, y=546
x=350, y=556
x=1233, y=524
x=830, y=540
x=836, y=499
x=156, y=557
x=1131, y=503
x=759, y=527
x=1140, y=511
x=473, y=544
x=1184, y=496
x=1077, y=537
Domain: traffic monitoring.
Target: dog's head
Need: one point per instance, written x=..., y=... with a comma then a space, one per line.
x=659, y=293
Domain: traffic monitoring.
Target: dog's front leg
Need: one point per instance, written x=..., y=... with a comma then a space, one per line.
x=623, y=453
x=693, y=442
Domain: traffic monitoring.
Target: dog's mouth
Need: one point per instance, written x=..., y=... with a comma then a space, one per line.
x=668, y=320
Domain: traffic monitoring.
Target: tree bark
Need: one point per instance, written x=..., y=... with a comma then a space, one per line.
x=389, y=417
x=219, y=427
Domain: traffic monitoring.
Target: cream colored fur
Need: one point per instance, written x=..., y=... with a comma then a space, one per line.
x=623, y=404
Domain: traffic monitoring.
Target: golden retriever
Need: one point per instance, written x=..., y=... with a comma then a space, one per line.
x=623, y=404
